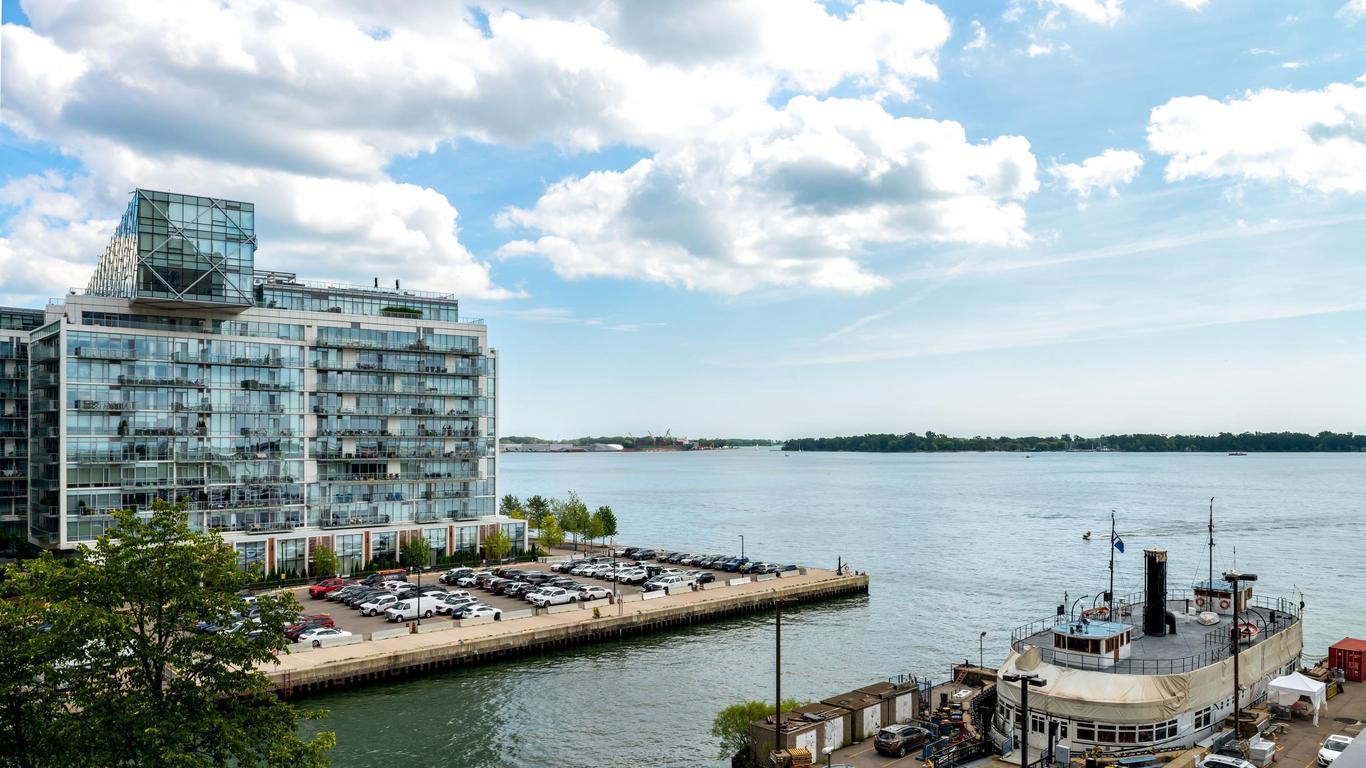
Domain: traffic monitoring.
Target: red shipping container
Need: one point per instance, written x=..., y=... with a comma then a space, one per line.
x=1350, y=655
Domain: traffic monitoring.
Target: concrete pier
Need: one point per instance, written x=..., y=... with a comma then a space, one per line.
x=376, y=660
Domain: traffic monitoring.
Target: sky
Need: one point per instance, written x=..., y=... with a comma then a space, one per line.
x=767, y=218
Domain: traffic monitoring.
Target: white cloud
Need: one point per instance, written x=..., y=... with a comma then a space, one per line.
x=1194, y=5
x=270, y=100
x=1106, y=12
x=790, y=196
x=979, y=39
x=1353, y=11
x=1314, y=139
x=1292, y=65
x=1262, y=52
x=1106, y=171
x=1036, y=50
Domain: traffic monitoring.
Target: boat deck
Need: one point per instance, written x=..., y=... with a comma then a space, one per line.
x=1194, y=645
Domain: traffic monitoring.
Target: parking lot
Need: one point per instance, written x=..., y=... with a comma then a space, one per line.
x=351, y=620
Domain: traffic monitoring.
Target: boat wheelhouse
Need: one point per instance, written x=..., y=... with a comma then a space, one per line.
x=1153, y=670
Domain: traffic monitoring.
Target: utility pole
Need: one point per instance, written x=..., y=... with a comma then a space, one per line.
x=778, y=669
x=1025, y=681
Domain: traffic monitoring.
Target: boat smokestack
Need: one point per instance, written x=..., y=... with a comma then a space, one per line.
x=1155, y=584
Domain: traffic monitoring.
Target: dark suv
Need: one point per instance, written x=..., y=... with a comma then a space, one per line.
x=899, y=739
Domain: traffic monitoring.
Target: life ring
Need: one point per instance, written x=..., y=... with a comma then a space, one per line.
x=1223, y=605
x=1200, y=601
x=1248, y=629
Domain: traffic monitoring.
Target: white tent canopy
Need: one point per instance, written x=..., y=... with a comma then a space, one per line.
x=1290, y=688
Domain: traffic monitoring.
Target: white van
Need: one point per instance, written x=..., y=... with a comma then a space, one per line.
x=411, y=608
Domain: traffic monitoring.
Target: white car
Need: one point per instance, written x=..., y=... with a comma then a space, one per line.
x=1332, y=747
x=467, y=580
x=553, y=596
x=394, y=586
x=448, y=605
x=666, y=581
x=593, y=593
x=378, y=605
x=480, y=611
x=1223, y=761
x=411, y=609
x=315, y=637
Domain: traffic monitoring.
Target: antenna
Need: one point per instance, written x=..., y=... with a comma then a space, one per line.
x=1211, y=542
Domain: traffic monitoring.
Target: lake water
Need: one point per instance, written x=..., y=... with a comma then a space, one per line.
x=956, y=544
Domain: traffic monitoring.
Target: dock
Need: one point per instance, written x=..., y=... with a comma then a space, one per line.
x=442, y=644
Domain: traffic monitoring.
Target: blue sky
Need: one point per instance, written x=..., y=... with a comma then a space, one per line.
x=735, y=218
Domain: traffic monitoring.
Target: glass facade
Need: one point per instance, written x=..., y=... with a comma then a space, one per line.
x=180, y=248
x=171, y=378
x=14, y=327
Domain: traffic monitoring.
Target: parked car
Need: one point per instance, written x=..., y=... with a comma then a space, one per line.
x=305, y=623
x=593, y=592
x=411, y=609
x=553, y=596
x=468, y=580
x=378, y=604
x=666, y=581
x=479, y=610
x=315, y=636
x=450, y=577
x=734, y=564
x=899, y=739
x=451, y=604
x=316, y=591
x=1332, y=747
x=702, y=577
x=346, y=591
x=1222, y=761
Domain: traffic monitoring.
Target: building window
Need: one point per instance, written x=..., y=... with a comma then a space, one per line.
x=289, y=557
x=1038, y=723
x=466, y=539
x=251, y=553
x=350, y=551
x=1086, y=731
x=436, y=540
x=1203, y=716
x=383, y=547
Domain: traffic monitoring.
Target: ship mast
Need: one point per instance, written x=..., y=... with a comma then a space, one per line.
x=1211, y=545
x=1111, y=594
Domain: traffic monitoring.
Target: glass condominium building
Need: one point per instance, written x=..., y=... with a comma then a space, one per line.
x=288, y=415
x=14, y=327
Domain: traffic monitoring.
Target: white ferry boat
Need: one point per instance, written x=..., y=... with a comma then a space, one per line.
x=1157, y=674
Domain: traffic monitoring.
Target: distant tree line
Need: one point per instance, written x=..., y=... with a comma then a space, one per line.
x=649, y=441
x=1224, y=441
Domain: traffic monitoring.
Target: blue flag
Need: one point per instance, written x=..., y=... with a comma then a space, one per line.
x=1118, y=542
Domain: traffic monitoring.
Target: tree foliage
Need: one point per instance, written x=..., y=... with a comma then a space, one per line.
x=537, y=508
x=551, y=535
x=731, y=725
x=1222, y=442
x=512, y=507
x=607, y=519
x=497, y=545
x=103, y=665
x=574, y=517
x=325, y=562
x=417, y=552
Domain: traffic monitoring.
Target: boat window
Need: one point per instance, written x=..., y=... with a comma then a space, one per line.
x=1086, y=731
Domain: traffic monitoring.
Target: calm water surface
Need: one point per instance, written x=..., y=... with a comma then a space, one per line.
x=956, y=544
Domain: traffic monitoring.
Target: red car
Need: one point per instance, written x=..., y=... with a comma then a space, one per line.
x=306, y=623
x=316, y=591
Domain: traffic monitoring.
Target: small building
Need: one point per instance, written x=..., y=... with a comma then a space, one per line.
x=1349, y=655
x=900, y=703
x=1217, y=596
x=812, y=727
x=865, y=712
x=1105, y=643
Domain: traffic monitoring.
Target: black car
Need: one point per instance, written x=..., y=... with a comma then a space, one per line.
x=450, y=576
x=897, y=740
x=704, y=577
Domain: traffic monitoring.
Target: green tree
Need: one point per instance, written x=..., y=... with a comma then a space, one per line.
x=574, y=517
x=609, y=520
x=125, y=679
x=731, y=725
x=325, y=562
x=512, y=507
x=417, y=552
x=497, y=545
x=537, y=507
x=551, y=534
x=594, y=530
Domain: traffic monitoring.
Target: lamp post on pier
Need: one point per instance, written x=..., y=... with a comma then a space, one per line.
x=778, y=668
x=1025, y=681
x=981, y=645
x=742, y=545
x=1233, y=577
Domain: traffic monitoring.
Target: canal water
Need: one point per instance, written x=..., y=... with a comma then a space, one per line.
x=956, y=544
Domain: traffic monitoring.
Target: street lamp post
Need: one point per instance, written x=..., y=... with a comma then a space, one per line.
x=778, y=668
x=417, y=600
x=1025, y=682
x=1233, y=577
x=981, y=644
x=742, y=545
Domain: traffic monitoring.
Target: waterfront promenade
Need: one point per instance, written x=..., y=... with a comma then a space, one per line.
x=444, y=644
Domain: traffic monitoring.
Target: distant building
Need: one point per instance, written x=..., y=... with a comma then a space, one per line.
x=560, y=448
x=287, y=414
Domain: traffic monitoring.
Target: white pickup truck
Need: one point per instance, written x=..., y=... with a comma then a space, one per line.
x=411, y=609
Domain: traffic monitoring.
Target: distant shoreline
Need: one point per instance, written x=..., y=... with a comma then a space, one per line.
x=1225, y=442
